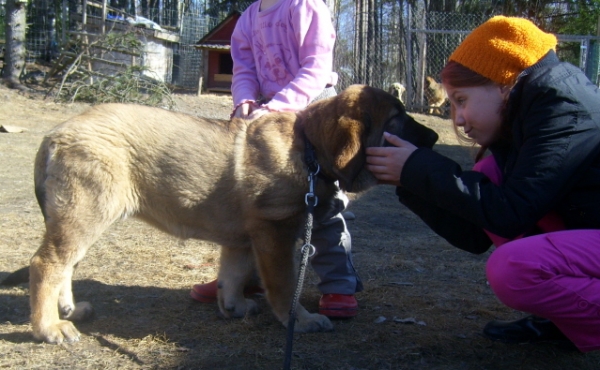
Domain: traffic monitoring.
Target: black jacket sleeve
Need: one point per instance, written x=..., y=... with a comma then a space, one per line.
x=457, y=231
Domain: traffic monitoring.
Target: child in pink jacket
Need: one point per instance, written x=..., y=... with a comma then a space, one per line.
x=282, y=54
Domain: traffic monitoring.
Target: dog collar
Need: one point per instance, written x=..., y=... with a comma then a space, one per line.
x=310, y=159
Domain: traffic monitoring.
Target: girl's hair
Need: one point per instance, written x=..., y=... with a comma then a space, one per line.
x=456, y=75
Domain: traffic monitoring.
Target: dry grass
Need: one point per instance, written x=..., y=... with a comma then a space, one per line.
x=138, y=280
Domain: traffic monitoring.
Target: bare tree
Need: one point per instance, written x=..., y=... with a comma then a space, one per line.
x=15, y=51
x=441, y=5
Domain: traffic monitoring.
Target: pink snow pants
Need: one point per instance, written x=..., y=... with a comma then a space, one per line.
x=555, y=275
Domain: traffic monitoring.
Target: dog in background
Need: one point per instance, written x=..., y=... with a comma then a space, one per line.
x=241, y=184
x=397, y=89
x=435, y=95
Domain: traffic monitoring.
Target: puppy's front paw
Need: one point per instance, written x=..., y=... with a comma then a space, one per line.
x=239, y=308
x=312, y=322
x=62, y=331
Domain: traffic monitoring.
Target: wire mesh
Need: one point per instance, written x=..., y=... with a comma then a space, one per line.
x=2, y=20
x=394, y=44
x=414, y=45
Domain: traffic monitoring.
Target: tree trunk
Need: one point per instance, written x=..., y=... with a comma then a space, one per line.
x=359, y=42
x=14, y=55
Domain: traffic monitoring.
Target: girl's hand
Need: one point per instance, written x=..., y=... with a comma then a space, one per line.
x=386, y=163
x=244, y=110
x=258, y=113
x=249, y=110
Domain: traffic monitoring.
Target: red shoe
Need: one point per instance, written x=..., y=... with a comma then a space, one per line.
x=338, y=305
x=207, y=293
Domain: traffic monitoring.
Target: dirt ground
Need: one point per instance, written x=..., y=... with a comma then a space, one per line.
x=138, y=280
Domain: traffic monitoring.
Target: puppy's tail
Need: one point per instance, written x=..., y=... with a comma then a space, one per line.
x=18, y=277
x=40, y=174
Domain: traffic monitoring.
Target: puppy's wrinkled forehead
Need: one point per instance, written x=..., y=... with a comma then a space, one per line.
x=363, y=100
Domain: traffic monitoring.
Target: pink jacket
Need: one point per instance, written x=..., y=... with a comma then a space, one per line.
x=283, y=54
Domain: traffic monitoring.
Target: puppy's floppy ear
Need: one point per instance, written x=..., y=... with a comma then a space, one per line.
x=336, y=129
x=347, y=154
x=416, y=133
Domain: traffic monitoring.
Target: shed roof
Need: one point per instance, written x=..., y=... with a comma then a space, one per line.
x=220, y=36
x=212, y=47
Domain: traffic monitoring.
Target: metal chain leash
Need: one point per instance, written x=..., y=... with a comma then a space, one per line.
x=307, y=251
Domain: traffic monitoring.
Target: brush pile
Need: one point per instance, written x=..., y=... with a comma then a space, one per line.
x=107, y=69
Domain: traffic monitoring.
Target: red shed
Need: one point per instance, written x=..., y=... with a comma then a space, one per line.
x=217, y=65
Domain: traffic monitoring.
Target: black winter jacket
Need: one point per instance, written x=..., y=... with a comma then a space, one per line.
x=551, y=162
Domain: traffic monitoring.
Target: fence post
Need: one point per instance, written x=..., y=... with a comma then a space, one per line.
x=596, y=57
x=408, y=68
x=103, y=17
x=63, y=21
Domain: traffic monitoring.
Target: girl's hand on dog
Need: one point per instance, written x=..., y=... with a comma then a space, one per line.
x=242, y=110
x=258, y=113
x=249, y=110
x=386, y=163
x=245, y=110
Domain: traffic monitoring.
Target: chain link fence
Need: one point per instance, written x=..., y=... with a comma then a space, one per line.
x=44, y=37
x=431, y=38
x=434, y=36
x=187, y=60
x=2, y=19
x=409, y=45
x=416, y=45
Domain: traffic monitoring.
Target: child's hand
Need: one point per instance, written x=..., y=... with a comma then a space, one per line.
x=249, y=110
x=258, y=113
x=243, y=110
x=386, y=163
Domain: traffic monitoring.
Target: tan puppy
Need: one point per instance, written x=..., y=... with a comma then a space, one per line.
x=436, y=96
x=397, y=89
x=239, y=184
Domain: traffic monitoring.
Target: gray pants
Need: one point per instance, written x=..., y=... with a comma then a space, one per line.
x=333, y=258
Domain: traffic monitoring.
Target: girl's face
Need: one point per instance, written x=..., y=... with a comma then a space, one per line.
x=477, y=110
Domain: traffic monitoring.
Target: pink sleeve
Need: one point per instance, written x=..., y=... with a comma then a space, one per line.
x=244, y=85
x=315, y=36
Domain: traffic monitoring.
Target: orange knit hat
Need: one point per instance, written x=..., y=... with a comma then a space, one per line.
x=503, y=47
